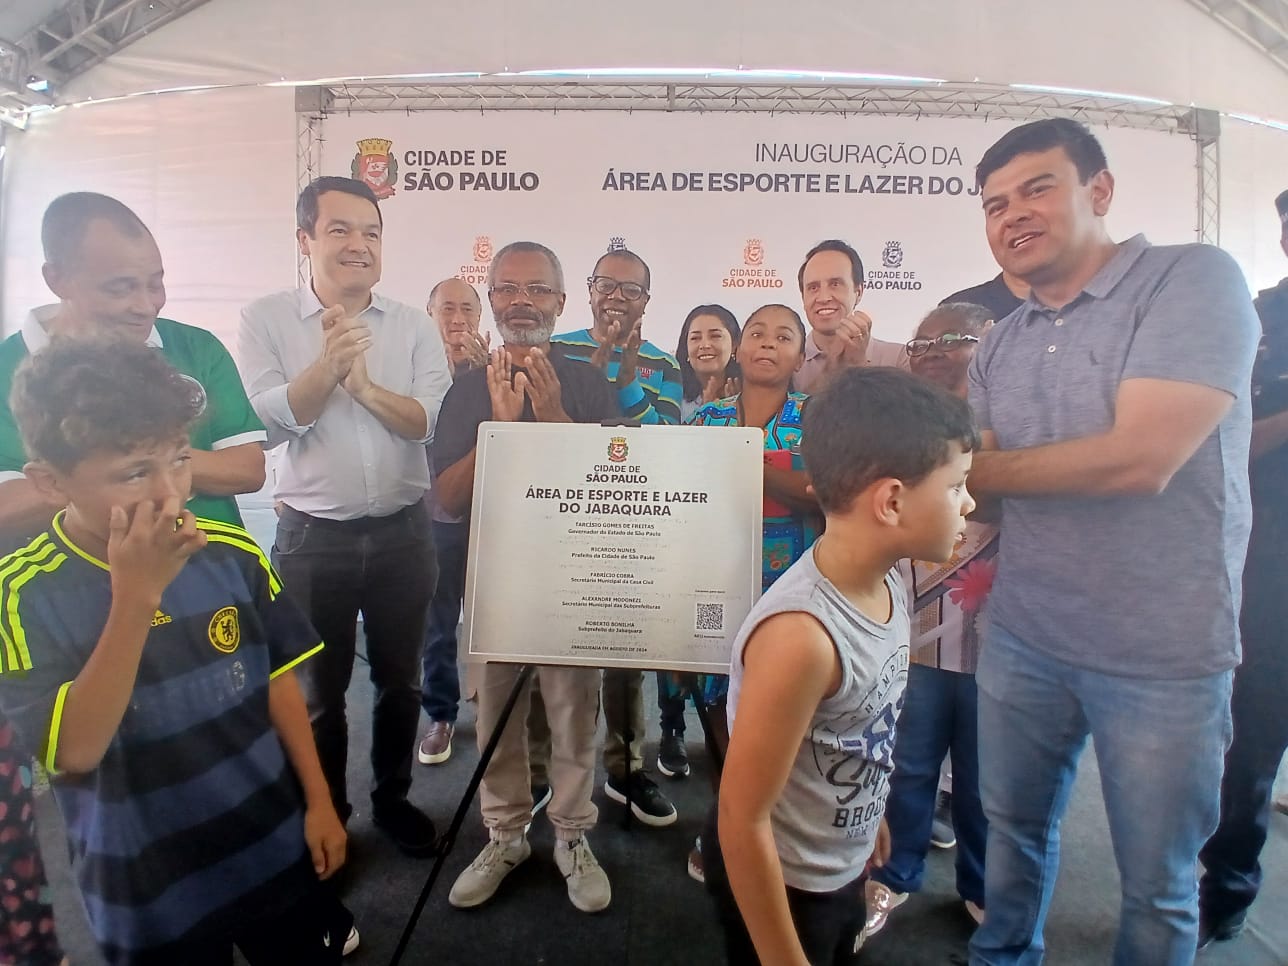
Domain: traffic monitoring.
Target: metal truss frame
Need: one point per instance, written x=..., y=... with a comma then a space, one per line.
x=310, y=108
x=1205, y=129
x=923, y=100
x=74, y=38
x=1262, y=23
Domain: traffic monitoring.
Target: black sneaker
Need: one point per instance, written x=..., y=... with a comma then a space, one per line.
x=1220, y=930
x=673, y=756
x=648, y=803
x=411, y=829
x=942, y=835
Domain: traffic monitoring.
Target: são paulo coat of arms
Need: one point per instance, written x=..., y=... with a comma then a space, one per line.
x=375, y=166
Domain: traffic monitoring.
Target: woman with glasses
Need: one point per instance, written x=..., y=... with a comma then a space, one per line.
x=938, y=716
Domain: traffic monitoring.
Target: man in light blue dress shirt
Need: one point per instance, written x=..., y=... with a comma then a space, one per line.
x=352, y=382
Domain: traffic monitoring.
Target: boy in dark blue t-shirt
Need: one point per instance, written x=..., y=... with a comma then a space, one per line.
x=147, y=657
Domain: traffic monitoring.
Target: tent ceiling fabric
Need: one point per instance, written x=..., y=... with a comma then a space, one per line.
x=1165, y=49
x=62, y=39
x=1263, y=23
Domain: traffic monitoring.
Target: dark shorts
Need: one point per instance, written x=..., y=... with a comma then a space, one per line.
x=828, y=924
x=310, y=932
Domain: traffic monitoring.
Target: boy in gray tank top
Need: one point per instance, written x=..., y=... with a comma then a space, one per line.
x=818, y=669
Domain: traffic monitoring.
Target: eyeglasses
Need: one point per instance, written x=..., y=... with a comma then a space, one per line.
x=607, y=285
x=509, y=291
x=947, y=342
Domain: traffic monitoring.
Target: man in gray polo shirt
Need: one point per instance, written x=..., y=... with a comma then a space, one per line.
x=1116, y=416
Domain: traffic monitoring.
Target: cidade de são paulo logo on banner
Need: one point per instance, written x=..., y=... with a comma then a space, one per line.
x=892, y=276
x=475, y=270
x=752, y=273
x=375, y=166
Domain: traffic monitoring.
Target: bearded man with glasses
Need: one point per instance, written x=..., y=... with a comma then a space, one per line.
x=525, y=382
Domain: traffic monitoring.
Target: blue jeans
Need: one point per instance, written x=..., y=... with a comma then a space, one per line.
x=441, y=687
x=1160, y=745
x=938, y=717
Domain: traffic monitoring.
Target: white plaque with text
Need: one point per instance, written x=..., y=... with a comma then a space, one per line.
x=613, y=546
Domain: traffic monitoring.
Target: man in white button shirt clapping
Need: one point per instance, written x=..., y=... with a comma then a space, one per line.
x=352, y=382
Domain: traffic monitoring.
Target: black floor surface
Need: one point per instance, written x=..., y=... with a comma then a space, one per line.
x=659, y=916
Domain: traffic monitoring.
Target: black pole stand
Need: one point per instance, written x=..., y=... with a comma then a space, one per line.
x=448, y=839
x=628, y=737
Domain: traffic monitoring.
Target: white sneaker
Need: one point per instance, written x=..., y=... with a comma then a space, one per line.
x=880, y=903
x=350, y=941
x=975, y=911
x=588, y=887
x=482, y=877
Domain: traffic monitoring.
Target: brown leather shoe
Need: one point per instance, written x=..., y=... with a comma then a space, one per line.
x=436, y=747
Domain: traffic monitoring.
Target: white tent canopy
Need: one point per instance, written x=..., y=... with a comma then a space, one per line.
x=1166, y=49
x=214, y=173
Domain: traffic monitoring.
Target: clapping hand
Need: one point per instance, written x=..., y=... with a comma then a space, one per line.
x=717, y=388
x=630, y=355
x=544, y=389
x=507, y=398
x=343, y=340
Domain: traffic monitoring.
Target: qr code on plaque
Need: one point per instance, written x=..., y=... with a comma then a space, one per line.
x=708, y=617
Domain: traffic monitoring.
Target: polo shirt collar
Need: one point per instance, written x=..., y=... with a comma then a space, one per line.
x=311, y=305
x=1103, y=282
x=812, y=351
x=36, y=336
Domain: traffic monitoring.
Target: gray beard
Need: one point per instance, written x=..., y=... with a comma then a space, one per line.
x=529, y=336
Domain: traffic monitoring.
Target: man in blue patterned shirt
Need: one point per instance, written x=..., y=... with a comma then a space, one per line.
x=646, y=381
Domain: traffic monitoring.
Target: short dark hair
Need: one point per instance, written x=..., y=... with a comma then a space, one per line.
x=1281, y=206
x=77, y=397
x=306, y=206
x=531, y=248
x=1053, y=132
x=69, y=216
x=692, y=389
x=626, y=253
x=973, y=317
x=833, y=245
x=876, y=423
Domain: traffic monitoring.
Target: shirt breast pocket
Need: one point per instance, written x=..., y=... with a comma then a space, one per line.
x=1087, y=378
x=394, y=366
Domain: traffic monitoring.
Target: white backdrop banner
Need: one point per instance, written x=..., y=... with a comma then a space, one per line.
x=721, y=206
